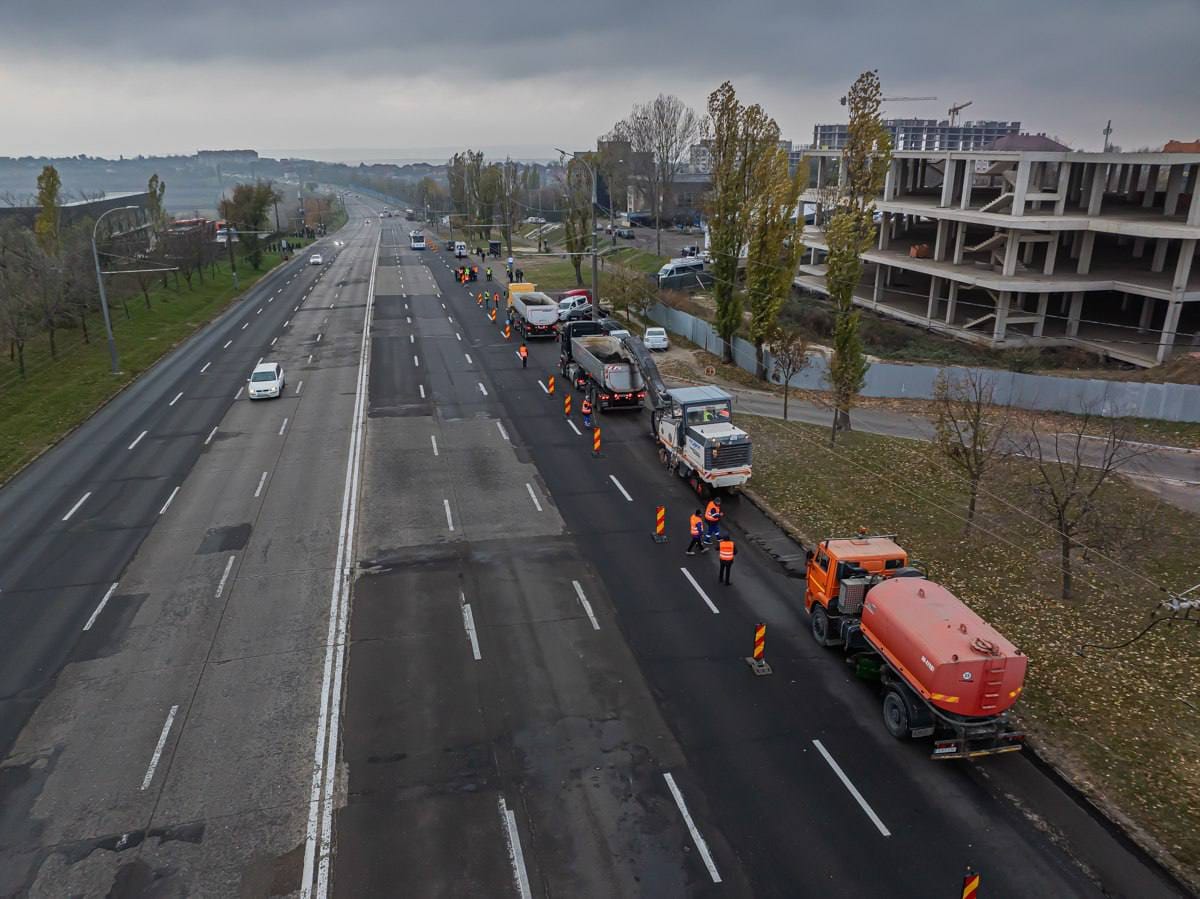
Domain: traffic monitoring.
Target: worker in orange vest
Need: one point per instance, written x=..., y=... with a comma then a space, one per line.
x=712, y=515
x=523, y=352
x=726, y=551
x=696, y=527
x=586, y=408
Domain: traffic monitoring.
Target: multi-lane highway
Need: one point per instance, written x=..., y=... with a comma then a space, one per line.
x=398, y=633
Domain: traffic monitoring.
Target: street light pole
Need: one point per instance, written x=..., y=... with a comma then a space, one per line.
x=595, y=248
x=114, y=362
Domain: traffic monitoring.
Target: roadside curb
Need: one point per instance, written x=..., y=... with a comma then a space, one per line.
x=1045, y=758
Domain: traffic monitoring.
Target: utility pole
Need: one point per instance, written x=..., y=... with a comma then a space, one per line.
x=113, y=360
x=229, y=234
x=1107, y=133
x=276, y=203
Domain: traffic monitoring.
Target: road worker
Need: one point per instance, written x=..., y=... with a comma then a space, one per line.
x=696, y=528
x=488, y=272
x=712, y=515
x=523, y=352
x=726, y=551
x=586, y=408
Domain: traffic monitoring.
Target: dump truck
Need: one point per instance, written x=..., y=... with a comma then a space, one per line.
x=535, y=314
x=601, y=366
x=943, y=671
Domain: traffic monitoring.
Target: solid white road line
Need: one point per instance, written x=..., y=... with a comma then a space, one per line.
x=226, y=345
x=176, y=400
x=273, y=339
x=459, y=336
x=100, y=608
x=211, y=435
x=482, y=389
x=624, y=492
x=543, y=386
x=225, y=576
x=75, y=508
x=503, y=433
x=299, y=387
x=206, y=365
x=513, y=838
x=468, y=355
x=469, y=627
x=421, y=387
x=837, y=769
x=326, y=747
x=533, y=496
x=282, y=427
x=245, y=325
x=449, y=520
x=261, y=481
x=162, y=741
x=412, y=338
x=704, y=596
x=433, y=440
x=168, y=502
x=578, y=433
x=587, y=606
x=701, y=846
x=138, y=439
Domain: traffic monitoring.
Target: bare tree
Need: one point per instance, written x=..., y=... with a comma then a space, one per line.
x=788, y=347
x=1069, y=477
x=968, y=428
x=18, y=319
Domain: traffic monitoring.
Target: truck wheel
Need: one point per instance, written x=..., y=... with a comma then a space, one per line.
x=820, y=624
x=895, y=715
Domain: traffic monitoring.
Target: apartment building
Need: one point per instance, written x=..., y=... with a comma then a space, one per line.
x=924, y=134
x=1010, y=248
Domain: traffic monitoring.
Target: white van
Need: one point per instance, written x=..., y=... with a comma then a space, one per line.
x=460, y=249
x=687, y=272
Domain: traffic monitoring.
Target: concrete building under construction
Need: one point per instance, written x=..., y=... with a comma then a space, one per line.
x=1015, y=248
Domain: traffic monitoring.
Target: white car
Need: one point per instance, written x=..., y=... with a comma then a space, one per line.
x=656, y=339
x=316, y=259
x=566, y=304
x=266, y=381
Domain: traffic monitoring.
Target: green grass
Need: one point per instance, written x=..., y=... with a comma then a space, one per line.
x=559, y=274
x=58, y=394
x=1123, y=722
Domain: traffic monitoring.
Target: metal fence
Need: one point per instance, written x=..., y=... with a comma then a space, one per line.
x=1169, y=402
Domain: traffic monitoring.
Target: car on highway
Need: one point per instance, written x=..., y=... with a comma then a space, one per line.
x=626, y=233
x=316, y=259
x=266, y=381
x=656, y=339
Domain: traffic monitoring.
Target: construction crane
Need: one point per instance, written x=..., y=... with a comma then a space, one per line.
x=896, y=99
x=955, y=110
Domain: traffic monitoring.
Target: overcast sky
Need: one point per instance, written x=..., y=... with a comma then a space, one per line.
x=127, y=76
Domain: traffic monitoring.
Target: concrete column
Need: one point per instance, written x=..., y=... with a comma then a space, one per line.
x=948, y=181
x=1001, y=325
x=1027, y=252
x=1174, y=189
x=1166, y=342
x=889, y=181
x=1124, y=301
x=1135, y=175
x=1085, y=252
x=960, y=241
x=1096, y=192
x=1039, y=326
x=1051, y=253
x=1183, y=266
x=1160, y=255
x=1151, y=187
x=1139, y=247
x=820, y=172
x=951, y=302
x=1021, y=187
x=1147, y=314
x=1075, y=314
x=968, y=182
x=935, y=286
x=1011, y=243
x=877, y=291
x=1193, y=218
x=1076, y=243
x=939, y=244
x=1063, y=188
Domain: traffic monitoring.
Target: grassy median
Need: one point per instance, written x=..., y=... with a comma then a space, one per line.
x=57, y=394
x=1123, y=723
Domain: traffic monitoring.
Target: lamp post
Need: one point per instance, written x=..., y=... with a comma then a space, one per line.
x=112, y=344
x=595, y=249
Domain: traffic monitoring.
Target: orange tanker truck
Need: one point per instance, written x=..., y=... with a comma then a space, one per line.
x=944, y=671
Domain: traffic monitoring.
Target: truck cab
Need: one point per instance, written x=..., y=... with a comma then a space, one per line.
x=840, y=571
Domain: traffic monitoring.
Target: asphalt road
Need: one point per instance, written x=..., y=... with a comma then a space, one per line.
x=399, y=633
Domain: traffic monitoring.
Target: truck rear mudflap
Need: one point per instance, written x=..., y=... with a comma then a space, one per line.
x=621, y=400
x=968, y=746
x=531, y=330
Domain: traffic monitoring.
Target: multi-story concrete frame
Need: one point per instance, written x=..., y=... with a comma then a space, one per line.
x=923, y=134
x=1015, y=248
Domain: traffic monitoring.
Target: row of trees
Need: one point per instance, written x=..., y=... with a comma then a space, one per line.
x=47, y=272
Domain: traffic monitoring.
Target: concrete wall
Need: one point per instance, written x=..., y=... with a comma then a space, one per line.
x=1169, y=402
